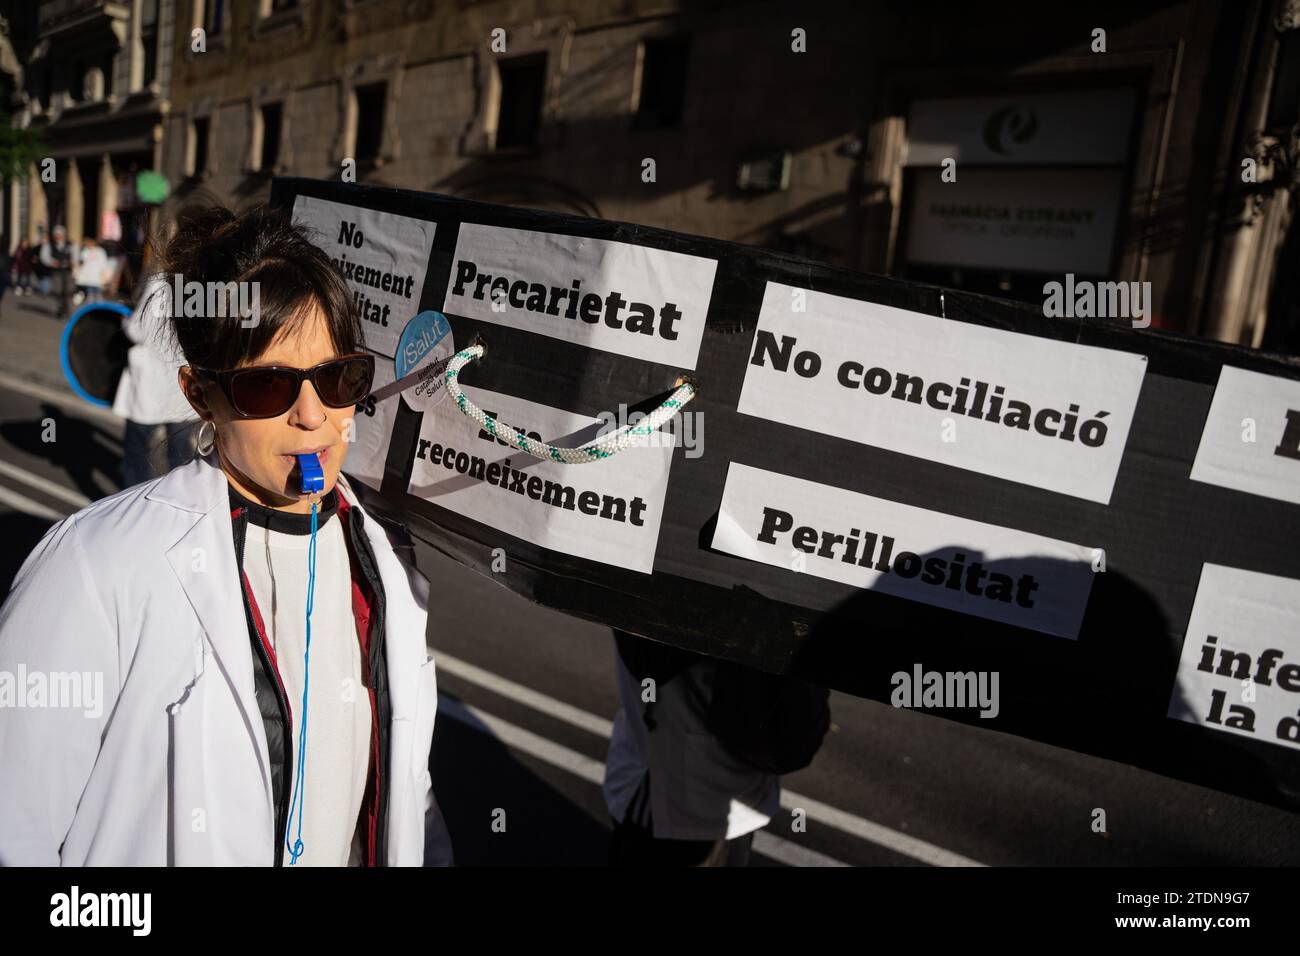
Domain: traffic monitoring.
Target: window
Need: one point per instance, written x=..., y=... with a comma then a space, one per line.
x=370, y=121
x=1284, y=104
x=149, y=41
x=91, y=80
x=45, y=85
x=78, y=88
x=662, y=89
x=199, y=132
x=272, y=14
x=214, y=14
x=108, y=68
x=270, y=137
x=519, y=113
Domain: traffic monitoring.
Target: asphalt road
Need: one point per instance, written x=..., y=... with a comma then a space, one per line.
x=527, y=695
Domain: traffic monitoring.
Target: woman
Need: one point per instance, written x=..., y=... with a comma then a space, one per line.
x=179, y=608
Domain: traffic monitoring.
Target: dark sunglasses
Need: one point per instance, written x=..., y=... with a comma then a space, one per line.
x=265, y=391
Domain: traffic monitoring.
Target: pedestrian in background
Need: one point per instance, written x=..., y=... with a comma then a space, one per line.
x=697, y=753
x=6, y=264
x=148, y=394
x=58, y=259
x=92, y=270
x=24, y=257
x=39, y=269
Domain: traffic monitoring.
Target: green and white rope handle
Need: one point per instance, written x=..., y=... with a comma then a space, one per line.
x=610, y=445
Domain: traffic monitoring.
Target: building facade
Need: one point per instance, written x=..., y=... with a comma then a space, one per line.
x=95, y=83
x=991, y=151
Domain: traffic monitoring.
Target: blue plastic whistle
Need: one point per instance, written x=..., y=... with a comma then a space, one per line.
x=313, y=479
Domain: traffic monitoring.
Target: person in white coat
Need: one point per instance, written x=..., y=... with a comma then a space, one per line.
x=147, y=394
x=91, y=272
x=212, y=668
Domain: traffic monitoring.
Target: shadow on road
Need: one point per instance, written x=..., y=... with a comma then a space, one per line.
x=474, y=775
x=82, y=449
x=20, y=534
x=1107, y=693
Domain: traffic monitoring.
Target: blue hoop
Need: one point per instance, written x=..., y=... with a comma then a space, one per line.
x=63, y=347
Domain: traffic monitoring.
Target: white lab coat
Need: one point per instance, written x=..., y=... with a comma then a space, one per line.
x=141, y=587
x=149, y=391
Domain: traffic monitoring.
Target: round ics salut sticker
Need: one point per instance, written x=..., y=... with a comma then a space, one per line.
x=423, y=350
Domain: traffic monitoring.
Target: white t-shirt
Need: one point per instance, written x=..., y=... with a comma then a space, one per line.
x=338, y=706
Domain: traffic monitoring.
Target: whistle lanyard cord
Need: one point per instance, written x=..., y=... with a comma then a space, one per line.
x=612, y=444
x=299, y=782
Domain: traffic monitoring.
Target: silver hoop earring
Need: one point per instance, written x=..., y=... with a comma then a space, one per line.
x=202, y=446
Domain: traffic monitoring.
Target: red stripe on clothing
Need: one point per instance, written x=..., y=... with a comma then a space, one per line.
x=362, y=600
x=260, y=626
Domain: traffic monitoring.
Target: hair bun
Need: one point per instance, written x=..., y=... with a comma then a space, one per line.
x=191, y=251
x=257, y=253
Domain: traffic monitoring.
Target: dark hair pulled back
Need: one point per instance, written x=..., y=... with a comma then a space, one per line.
x=213, y=244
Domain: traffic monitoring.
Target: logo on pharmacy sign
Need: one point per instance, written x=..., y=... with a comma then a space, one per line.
x=1011, y=122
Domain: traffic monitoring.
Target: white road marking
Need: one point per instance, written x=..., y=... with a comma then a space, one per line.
x=580, y=765
x=593, y=771
x=33, y=480
x=790, y=853
x=874, y=832
x=524, y=695
x=901, y=843
x=26, y=505
x=65, y=400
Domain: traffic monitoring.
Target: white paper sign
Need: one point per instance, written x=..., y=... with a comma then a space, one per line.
x=1251, y=439
x=1049, y=414
x=611, y=296
x=372, y=429
x=383, y=258
x=607, y=511
x=1240, y=667
x=993, y=572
